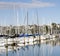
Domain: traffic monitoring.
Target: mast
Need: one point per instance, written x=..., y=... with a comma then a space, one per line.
x=37, y=22
x=27, y=22
x=27, y=27
x=24, y=29
x=17, y=19
x=51, y=27
x=1, y=29
x=38, y=25
x=17, y=23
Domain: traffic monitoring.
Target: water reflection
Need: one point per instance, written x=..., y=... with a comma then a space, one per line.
x=48, y=48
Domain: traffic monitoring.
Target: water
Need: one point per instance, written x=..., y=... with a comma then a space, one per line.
x=51, y=48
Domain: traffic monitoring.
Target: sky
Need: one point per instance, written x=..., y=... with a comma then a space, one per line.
x=14, y=12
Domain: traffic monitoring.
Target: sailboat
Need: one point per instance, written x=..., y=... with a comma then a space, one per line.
x=48, y=36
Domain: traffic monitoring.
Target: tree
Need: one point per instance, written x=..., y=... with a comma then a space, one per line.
x=12, y=31
x=46, y=27
x=32, y=31
x=54, y=26
x=7, y=31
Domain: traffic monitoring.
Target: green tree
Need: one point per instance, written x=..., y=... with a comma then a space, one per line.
x=54, y=26
x=32, y=31
x=12, y=31
x=7, y=31
x=46, y=27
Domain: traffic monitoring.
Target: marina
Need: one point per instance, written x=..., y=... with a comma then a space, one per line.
x=46, y=48
x=29, y=28
x=23, y=41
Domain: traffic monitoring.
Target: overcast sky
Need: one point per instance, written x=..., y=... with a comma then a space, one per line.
x=48, y=11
